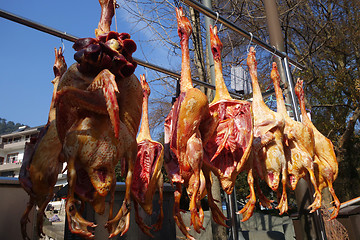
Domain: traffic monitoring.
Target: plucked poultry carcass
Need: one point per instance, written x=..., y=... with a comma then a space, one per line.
x=98, y=107
x=229, y=148
x=298, y=145
x=147, y=176
x=269, y=159
x=326, y=165
x=42, y=161
x=187, y=128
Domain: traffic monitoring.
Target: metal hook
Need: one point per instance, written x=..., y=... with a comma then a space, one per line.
x=247, y=49
x=63, y=45
x=217, y=18
x=272, y=56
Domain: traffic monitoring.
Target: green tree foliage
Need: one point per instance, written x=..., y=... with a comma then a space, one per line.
x=8, y=126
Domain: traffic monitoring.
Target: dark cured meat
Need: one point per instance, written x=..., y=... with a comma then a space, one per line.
x=98, y=115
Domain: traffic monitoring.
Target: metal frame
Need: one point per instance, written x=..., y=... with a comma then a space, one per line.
x=208, y=12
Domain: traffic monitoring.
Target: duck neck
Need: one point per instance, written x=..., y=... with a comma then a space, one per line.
x=144, y=132
x=221, y=89
x=305, y=117
x=257, y=96
x=281, y=108
x=186, y=82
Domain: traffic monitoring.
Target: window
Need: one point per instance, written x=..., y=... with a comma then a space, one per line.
x=17, y=139
x=1, y=160
x=12, y=158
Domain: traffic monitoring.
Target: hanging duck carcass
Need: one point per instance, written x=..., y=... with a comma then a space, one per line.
x=42, y=160
x=187, y=128
x=98, y=108
x=147, y=175
x=229, y=148
x=298, y=145
x=326, y=165
x=269, y=158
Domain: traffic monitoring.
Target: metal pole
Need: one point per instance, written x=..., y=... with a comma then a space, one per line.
x=38, y=26
x=208, y=12
x=208, y=22
x=291, y=88
x=277, y=41
x=232, y=208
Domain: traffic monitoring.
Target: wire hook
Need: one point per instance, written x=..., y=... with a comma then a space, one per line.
x=247, y=49
x=272, y=56
x=63, y=45
x=217, y=18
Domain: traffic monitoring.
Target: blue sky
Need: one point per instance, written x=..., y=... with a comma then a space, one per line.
x=27, y=55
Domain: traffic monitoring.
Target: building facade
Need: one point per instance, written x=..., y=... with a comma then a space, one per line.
x=12, y=147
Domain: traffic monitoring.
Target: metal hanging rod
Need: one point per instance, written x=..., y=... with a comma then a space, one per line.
x=208, y=12
x=71, y=38
x=37, y=26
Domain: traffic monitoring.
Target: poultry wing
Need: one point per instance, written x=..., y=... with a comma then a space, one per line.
x=42, y=162
x=147, y=176
x=98, y=106
x=326, y=165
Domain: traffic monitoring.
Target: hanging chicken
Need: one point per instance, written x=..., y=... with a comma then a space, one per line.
x=42, y=161
x=147, y=176
x=269, y=159
x=98, y=108
x=230, y=146
x=187, y=128
x=298, y=145
x=326, y=165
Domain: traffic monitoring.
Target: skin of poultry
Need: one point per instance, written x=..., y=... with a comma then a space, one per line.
x=298, y=145
x=230, y=146
x=269, y=158
x=147, y=176
x=42, y=161
x=326, y=165
x=187, y=127
x=98, y=108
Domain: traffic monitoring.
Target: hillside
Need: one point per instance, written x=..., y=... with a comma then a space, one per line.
x=8, y=126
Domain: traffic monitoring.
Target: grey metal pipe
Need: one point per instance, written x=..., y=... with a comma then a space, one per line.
x=208, y=12
x=208, y=22
x=37, y=26
x=292, y=91
x=232, y=209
